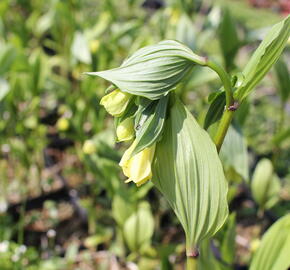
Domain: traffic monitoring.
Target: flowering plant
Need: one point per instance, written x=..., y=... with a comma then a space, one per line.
x=168, y=145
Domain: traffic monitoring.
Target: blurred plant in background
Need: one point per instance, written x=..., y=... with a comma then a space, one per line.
x=63, y=204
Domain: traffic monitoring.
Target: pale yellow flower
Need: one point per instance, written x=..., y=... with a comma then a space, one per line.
x=94, y=45
x=62, y=124
x=89, y=147
x=116, y=102
x=138, y=167
x=125, y=130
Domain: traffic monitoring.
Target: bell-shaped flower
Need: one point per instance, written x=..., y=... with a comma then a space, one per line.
x=138, y=167
x=125, y=130
x=116, y=102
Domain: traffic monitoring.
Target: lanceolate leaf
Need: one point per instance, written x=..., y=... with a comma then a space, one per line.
x=264, y=57
x=153, y=70
x=282, y=136
x=215, y=110
x=188, y=171
x=228, y=242
x=185, y=31
x=149, y=132
x=273, y=253
x=207, y=259
x=234, y=152
x=283, y=77
x=228, y=38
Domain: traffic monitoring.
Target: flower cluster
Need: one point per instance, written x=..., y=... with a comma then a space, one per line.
x=137, y=167
x=138, y=98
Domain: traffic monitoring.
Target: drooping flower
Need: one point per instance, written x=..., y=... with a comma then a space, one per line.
x=115, y=102
x=138, y=167
x=125, y=130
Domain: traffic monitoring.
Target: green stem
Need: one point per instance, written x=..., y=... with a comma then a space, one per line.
x=230, y=104
x=225, y=80
x=191, y=263
x=223, y=128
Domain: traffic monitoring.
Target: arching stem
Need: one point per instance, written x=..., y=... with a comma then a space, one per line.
x=230, y=108
x=225, y=80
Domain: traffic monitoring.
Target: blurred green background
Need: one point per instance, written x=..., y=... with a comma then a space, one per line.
x=63, y=203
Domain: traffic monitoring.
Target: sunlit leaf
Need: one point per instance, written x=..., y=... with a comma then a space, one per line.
x=80, y=48
x=234, y=152
x=150, y=131
x=228, y=38
x=185, y=31
x=283, y=78
x=153, y=70
x=188, y=171
x=273, y=252
x=264, y=57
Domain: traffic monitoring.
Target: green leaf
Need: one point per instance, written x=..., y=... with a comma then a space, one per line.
x=229, y=242
x=241, y=115
x=234, y=153
x=282, y=136
x=228, y=38
x=154, y=70
x=151, y=129
x=7, y=57
x=4, y=88
x=139, y=227
x=188, y=171
x=122, y=208
x=273, y=253
x=265, y=184
x=201, y=76
x=185, y=31
x=189, y=6
x=215, y=110
x=206, y=259
x=264, y=57
x=38, y=71
x=80, y=48
x=283, y=78
x=145, y=108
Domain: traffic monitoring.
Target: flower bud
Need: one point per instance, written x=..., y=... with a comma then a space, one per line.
x=125, y=130
x=62, y=124
x=89, y=147
x=116, y=102
x=94, y=46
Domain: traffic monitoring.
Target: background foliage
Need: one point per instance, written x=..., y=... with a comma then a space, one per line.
x=63, y=203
